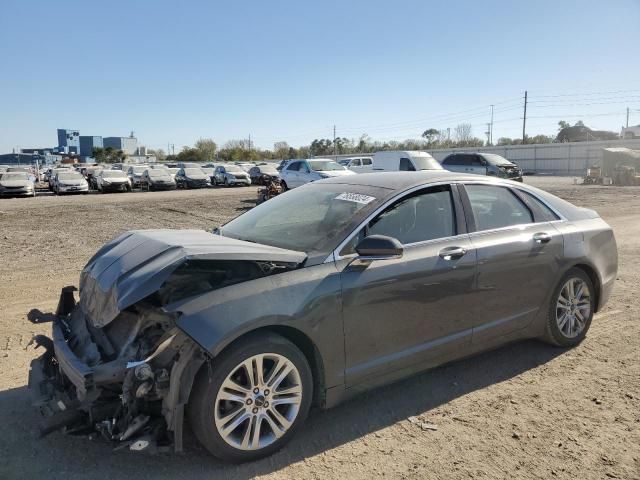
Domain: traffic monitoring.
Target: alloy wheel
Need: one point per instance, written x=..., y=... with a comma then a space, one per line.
x=258, y=401
x=573, y=307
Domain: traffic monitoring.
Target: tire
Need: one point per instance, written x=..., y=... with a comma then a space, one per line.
x=570, y=330
x=284, y=186
x=226, y=182
x=207, y=412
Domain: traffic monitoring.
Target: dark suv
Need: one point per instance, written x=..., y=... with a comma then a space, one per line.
x=482, y=164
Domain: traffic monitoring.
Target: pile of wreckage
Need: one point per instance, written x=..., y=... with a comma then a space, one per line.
x=620, y=166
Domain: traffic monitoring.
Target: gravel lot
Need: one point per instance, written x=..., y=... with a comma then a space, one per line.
x=526, y=410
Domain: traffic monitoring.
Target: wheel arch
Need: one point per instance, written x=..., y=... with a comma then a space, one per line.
x=595, y=280
x=300, y=340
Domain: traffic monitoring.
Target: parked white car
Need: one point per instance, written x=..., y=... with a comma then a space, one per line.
x=409, y=161
x=299, y=172
x=70, y=182
x=357, y=164
x=230, y=175
x=51, y=179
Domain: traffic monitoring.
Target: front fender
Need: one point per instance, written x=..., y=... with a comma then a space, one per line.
x=307, y=299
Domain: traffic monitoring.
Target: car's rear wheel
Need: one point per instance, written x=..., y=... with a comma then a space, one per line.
x=252, y=400
x=284, y=186
x=571, y=309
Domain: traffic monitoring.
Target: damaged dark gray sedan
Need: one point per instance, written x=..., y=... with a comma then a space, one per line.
x=308, y=299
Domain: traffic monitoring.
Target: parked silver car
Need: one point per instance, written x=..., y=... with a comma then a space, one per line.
x=311, y=298
x=16, y=184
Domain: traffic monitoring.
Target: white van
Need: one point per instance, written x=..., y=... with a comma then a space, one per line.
x=410, y=161
x=357, y=164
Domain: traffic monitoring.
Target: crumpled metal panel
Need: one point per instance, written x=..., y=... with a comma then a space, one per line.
x=136, y=264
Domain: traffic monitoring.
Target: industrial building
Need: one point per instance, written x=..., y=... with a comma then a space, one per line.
x=128, y=145
x=88, y=143
x=68, y=141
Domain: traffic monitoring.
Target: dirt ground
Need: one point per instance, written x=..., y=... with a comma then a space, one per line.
x=526, y=410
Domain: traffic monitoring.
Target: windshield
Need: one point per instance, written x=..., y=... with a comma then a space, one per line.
x=173, y=170
x=344, y=162
x=14, y=176
x=138, y=170
x=425, y=162
x=193, y=171
x=113, y=174
x=70, y=176
x=157, y=173
x=494, y=159
x=313, y=218
x=208, y=171
x=233, y=168
x=269, y=169
x=324, y=165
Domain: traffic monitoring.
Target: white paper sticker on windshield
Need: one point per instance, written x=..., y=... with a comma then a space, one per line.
x=355, y=197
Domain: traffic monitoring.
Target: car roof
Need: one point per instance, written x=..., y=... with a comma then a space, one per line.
x=403, y=180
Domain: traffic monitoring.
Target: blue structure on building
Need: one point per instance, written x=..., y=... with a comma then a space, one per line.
x=88, y=143
x=68, y=141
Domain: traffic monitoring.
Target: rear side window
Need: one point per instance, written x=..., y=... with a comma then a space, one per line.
x=355, y=162
x=406, y=165
x=542, y=211
x=366, y=161
x=496, y=207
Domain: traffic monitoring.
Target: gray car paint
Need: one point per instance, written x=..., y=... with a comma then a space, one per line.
x=331, y=304
x=136, y=264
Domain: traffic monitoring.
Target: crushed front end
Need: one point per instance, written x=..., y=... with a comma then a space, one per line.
x=129, y=381
x=117, y=361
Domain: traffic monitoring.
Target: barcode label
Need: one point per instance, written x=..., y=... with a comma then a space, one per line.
x=355, y=197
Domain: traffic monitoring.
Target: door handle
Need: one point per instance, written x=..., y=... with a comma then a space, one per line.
x=541, y=237
x=452, y=253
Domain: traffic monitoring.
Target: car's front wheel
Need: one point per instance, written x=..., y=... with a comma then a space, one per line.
x=571, y=310
x=252, y=400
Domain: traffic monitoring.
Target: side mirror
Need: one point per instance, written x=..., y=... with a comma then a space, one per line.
x=379, y=247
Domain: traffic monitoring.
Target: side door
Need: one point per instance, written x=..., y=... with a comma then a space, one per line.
x=453, y=163
x=406, y=165
x=304, y=174
x=291, y=174
x=478, y=165
x=404, y=315
x=356, y=165
x=518, y=252
x=367, y=165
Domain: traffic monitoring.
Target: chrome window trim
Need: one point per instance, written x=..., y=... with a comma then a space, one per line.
x=335, y=255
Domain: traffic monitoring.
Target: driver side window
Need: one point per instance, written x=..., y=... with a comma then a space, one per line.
x=425, y=215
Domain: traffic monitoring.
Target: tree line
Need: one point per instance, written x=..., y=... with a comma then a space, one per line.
x=240, y=150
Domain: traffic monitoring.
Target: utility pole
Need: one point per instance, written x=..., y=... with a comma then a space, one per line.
x=524, y=119
x=488, y=134
x=491, y=128
x=249, y=142
x=335, y=156
x=627, y=117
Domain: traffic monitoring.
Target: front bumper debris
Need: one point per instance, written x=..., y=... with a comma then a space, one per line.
x=134, y=402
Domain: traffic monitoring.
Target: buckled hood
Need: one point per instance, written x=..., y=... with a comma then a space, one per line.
x=137, y=263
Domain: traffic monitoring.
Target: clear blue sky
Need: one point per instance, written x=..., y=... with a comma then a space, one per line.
x=290, y=70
